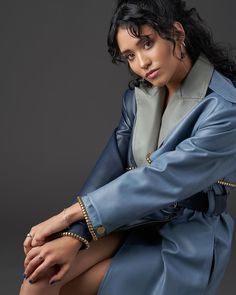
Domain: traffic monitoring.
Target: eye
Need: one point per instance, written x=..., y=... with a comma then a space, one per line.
x=129, y=56
x=147, y=44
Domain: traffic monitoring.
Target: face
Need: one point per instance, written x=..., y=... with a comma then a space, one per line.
x=150, y=57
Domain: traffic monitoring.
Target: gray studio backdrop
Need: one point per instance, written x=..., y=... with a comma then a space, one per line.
x=60, y=100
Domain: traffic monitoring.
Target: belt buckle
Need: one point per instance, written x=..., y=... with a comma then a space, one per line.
x=174, y=205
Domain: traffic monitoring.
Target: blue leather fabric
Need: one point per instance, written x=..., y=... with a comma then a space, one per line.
x=189, y=253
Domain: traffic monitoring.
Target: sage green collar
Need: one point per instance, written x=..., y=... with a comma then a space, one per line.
x=151, y=127
x=196, y=83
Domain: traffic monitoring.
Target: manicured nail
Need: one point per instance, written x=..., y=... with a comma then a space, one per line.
x=53, y=282
x=24, y=276
x=31, y=281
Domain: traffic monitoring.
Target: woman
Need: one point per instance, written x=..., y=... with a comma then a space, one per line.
x=151, y=217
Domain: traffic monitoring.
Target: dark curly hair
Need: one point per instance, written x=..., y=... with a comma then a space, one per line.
x=161, y=15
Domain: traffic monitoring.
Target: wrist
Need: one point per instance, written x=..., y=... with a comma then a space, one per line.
x=76, y=239
x=72, y=214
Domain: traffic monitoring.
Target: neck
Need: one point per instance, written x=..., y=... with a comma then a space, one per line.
x=184, y=67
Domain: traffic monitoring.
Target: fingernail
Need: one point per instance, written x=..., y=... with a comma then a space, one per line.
x=24, y=276
x=31, y=281
x=53, y=282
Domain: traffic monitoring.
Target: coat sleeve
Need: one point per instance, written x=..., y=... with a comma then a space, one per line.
x=111, y=163
x=196, y=162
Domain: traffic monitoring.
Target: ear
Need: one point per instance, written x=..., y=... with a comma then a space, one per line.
x=178, y=32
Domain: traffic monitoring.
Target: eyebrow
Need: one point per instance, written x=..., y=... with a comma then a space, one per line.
x=142, y=37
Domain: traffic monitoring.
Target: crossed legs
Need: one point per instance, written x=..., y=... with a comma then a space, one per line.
x=86, y=273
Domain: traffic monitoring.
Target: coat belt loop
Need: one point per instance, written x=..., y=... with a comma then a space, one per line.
x=211, y=201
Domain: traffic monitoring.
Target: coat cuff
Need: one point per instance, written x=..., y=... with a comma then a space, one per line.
x=85, y=243
x=81, y=232
x=91, y=216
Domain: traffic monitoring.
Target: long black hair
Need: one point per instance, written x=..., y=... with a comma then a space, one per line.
x=161, y=15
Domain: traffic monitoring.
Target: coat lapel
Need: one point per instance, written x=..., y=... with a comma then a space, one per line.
x=150, y=103
x=151, y=127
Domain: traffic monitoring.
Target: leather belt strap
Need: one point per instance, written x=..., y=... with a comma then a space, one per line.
x=198, y=202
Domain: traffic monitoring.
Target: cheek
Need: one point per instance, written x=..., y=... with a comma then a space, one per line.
x=168, y=60
x=167, y=54
x=161, y=52
x=134, y=68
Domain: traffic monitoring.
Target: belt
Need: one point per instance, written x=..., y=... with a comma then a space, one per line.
x=200, y=202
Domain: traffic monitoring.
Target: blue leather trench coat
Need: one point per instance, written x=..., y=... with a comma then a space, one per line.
x=192, y=147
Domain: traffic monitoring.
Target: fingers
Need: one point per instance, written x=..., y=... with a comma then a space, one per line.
x=27, y=247
x=42, y=231
x=39, y=233
x=60, y=274
x=32, y=241
x=37, y=236
x=31, y=254
x=36, y=241
x=40, y=270
x=37, y=261
x=27, y=243
x=33, y=265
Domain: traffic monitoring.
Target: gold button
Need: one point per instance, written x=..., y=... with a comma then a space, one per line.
x=101, y=230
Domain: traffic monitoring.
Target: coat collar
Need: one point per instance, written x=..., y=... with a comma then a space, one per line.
x=151, y=127
x=223, y=86
x=197, y=81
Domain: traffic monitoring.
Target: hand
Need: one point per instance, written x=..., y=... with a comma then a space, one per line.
x=41, y=232
x=59, y=253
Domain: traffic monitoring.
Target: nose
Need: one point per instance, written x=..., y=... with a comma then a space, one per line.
x=144, y=61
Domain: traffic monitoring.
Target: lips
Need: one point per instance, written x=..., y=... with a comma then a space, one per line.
x=152, y=74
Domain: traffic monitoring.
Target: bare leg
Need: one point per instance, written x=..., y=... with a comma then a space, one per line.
x=99, y=250
x=89, y=281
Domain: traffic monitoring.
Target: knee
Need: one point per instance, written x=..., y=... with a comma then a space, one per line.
x=41, y=286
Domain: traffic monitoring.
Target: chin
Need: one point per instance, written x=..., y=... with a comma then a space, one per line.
x=158, y=83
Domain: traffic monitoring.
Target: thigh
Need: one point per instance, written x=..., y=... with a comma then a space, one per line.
x=89, y=281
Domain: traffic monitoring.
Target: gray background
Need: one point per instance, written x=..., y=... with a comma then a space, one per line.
x=60, y=100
